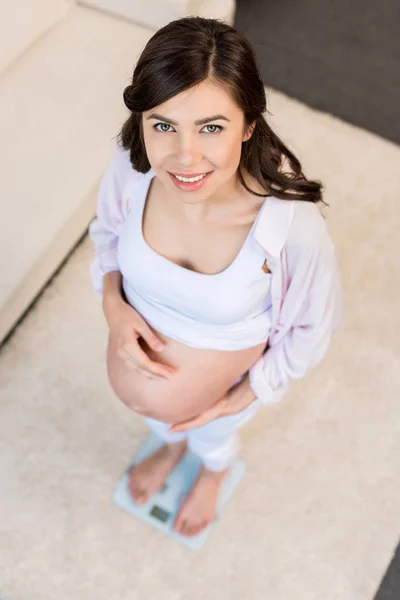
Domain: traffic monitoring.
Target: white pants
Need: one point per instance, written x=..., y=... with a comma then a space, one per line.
x=215, y=443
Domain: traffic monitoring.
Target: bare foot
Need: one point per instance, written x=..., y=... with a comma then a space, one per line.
x=147, y=478
x=198, y=508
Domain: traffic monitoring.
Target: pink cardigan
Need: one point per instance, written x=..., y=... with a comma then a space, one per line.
x=305, y=282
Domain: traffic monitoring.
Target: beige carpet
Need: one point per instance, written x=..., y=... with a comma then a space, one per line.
x=317, y=515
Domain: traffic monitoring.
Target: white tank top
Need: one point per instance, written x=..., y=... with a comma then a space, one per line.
x=230, y=310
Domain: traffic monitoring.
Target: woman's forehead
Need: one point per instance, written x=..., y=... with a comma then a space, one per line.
x=200, y=101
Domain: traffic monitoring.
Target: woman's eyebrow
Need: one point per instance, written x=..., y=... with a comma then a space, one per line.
x=198, y=122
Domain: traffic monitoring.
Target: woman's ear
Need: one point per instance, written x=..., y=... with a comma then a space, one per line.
x=249, y=131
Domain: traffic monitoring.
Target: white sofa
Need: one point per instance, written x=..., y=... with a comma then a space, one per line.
x=63, y=67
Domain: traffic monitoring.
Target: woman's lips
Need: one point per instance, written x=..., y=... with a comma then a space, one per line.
x=191, y=186
x=192, y=175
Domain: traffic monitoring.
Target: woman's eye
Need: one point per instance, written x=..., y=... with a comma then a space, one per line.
x=163, y=124
x=216, y=127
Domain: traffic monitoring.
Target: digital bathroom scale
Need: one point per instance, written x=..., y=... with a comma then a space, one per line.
x=161, y=510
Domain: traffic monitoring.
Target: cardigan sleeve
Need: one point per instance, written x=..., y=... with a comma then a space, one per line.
x=311, y=309
x=104, y=231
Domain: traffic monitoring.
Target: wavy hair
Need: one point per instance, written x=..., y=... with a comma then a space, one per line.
x=190, y=50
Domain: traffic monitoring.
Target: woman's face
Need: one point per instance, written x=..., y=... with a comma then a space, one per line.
x=175, y=144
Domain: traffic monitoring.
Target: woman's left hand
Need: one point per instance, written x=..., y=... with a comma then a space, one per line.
x=235, y=400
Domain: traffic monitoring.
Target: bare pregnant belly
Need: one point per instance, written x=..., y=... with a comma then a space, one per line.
x=202, y=377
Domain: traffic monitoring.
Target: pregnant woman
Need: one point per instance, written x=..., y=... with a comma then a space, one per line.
x=218, y=276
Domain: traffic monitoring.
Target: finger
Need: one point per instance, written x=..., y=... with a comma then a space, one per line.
x=159, y=369
x=205, y=417
x=123, y=354
x=145, y=373
x=212, y=413
x=146, y=363
x=136, y=356
x=149, y=337
x=184, y=426
x=131, y=366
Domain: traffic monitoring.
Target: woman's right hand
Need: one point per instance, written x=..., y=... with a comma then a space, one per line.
x=126, y=327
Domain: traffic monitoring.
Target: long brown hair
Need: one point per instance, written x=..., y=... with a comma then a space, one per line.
x=186, y=52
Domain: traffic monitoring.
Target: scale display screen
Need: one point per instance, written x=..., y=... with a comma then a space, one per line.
x=160, y=513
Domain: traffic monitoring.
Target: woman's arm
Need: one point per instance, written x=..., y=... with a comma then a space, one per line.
x=311, y=309
x=112, y=294
x=104, y=231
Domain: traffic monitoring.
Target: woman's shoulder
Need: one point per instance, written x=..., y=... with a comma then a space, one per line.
x=308, y=241
x=294, y=224
x=308, y=226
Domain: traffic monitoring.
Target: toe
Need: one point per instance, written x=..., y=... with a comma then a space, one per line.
x=132, y=486
x=180, y=520
x=196, y=529
x=141, y=497
x=136, y=491
x=183, y=528
x=177, y=524
x=201, y=527
x=133, y=491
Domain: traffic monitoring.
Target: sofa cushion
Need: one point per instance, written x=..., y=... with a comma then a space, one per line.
x=22, y=23
x=61, y=108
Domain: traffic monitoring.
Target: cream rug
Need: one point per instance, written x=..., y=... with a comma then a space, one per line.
x=317, y=515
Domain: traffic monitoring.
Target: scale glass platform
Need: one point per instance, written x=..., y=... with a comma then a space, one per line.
x=161, y=510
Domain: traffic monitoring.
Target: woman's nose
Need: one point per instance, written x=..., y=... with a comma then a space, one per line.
x=188, y=151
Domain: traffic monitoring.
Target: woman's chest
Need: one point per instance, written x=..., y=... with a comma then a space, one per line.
x=207, y=247
x=203, y=249
x=159, y=276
